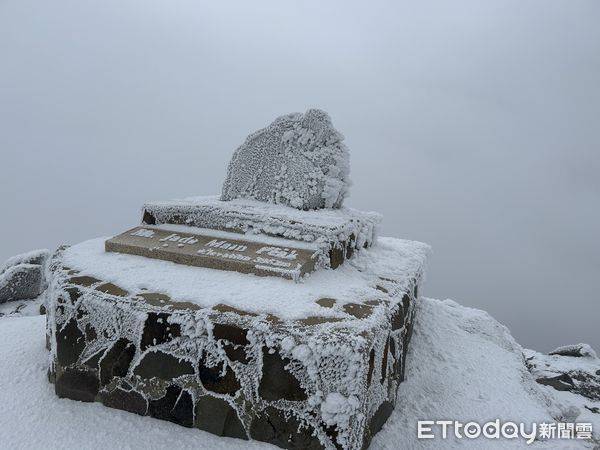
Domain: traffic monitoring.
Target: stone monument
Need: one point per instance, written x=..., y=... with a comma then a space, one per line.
x=271, y=313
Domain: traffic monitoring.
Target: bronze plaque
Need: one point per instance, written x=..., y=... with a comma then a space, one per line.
x=223, y=253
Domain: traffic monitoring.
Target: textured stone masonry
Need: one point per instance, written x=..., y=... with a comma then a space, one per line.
x=231, y=372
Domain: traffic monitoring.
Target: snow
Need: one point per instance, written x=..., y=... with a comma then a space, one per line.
x=260, y=238
x=462, y=365
x=256, y=217
x=298, y=160
x=36, y=257
x=355, y=280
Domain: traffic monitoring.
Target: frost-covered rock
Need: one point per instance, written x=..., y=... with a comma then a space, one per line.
x=573, y=368
x=299, y=160
x=22, y=276
x=576, y=350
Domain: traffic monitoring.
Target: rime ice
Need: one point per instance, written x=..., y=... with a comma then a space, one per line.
x=299, y=160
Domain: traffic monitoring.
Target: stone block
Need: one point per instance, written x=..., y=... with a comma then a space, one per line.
x=231, y=371
x=223, y=251
x=339, y=232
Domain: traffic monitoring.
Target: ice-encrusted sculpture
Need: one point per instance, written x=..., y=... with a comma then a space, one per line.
x=299, y=160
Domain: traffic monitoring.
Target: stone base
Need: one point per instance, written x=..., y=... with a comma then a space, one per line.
x=343, y=231
x=312, y=383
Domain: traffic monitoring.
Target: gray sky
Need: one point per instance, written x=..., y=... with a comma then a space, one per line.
x=473, y=126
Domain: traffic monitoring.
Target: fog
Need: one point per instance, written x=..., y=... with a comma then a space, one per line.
x=473, y=126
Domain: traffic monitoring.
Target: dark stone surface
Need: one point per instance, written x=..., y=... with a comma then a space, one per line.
x=90, y=333
x=371, y=367
x=213, y=380
x=116, y=361
x=273, y=427
x=162, y=365
x=561, y=382
x=336, y=257
x=176, y=406
x=77, y=384
x=235, y=339
x=74, y=294
x=94, y=361
x=398, y=318
x=130, y=401
x=380, y=417
x=157, y=330
x=70, y=342
x=384, y=361
x=148, y=218
x=332, y=433
x=236, y=353
x=276, y=382
x=216, y=416
x=233, y=334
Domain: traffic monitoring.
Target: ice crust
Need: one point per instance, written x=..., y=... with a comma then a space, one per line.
x=298, y=160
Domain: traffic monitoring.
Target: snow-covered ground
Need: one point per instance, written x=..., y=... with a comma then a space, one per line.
x=463, y=365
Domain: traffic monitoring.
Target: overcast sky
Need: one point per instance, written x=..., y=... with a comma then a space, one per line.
x=473, y=126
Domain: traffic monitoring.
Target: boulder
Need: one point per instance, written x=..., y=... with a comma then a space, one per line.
x=22, y=276
x=299, y=160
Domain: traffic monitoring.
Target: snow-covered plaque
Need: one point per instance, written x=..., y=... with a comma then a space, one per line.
x=223, y=251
